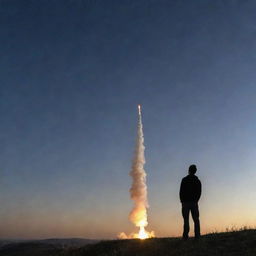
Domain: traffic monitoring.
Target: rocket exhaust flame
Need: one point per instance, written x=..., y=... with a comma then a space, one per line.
x=138, y=190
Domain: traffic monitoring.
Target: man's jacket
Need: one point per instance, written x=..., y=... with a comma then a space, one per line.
x=190, y=189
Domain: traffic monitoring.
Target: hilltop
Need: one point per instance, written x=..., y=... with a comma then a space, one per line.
x=227, y=244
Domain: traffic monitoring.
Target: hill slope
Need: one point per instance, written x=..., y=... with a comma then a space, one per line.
x=239, y=243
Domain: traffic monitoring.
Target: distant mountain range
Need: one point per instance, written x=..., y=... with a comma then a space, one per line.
x=45, y=247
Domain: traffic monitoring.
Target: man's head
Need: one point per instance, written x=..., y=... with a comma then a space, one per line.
x=192, y=169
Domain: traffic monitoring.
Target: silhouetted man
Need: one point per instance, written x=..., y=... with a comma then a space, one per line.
x=190, y=192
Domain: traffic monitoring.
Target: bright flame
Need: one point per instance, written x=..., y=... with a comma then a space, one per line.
x=143, y=234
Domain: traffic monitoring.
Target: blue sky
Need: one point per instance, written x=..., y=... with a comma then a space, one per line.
x=72, y=74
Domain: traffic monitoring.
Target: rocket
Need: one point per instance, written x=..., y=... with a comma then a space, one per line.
x=139, y=109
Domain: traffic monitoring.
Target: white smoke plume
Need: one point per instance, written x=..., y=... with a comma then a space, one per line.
x=138, y=190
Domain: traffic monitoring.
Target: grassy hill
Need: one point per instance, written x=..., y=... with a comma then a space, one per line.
x=237, y=243
x=242, y=243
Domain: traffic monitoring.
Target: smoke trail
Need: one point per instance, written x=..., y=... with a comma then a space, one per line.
x=138, y=190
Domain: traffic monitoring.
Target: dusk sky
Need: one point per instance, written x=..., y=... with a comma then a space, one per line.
x=71, y=75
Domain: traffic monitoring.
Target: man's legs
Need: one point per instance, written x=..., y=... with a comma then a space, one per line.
x=195, y=216
x=185, y=214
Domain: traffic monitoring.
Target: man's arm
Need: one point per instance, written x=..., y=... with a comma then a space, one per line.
x=181, y=190
x=199, y=190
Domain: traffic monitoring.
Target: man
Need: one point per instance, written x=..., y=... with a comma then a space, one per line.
x=190, y=192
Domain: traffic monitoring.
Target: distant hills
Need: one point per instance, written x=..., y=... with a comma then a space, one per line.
x=45, y=247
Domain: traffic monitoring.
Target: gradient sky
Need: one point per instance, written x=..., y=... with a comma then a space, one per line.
x=71, y=75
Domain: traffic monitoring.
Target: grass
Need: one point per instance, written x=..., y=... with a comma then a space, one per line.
x=232, y=243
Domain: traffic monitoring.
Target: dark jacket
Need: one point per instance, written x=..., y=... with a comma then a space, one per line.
x=190, y=189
